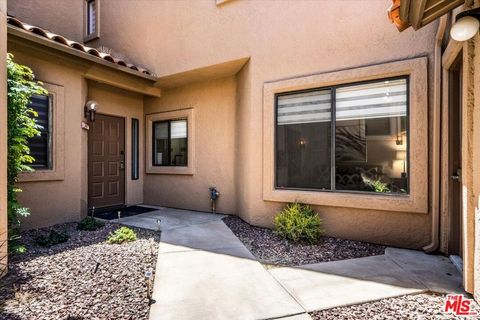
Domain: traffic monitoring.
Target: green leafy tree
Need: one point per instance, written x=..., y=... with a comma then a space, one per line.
x=21, y=126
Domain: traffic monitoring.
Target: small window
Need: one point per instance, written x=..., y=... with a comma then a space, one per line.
x=40, y=146
x=344, y=138
x=135, y=149
x=91, y=17
x=170, y=143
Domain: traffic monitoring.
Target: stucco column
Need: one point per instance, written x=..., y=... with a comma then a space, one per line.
x=3, y=136
x=474, y=73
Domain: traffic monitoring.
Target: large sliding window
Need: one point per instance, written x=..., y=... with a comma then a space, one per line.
x=170, y=143
x=344, y=138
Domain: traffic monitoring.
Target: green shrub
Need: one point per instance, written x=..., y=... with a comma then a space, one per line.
x=52, y=238
x=299, y=222
x=121, y=235
x=21, y=86
x=90, y=224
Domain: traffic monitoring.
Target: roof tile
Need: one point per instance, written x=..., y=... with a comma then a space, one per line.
x=73, y=44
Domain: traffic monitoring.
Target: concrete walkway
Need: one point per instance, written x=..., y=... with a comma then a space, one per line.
x=204, y=272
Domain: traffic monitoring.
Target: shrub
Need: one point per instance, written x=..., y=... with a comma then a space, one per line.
x=90, y=224
x=21, y=86
x=121, y=235
x=299, y=222
x=52, y=238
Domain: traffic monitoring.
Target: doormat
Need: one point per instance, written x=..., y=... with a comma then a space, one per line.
x=124, y=212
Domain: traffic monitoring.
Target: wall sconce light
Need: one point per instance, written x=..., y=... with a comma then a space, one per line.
x=302, y=142
x=90, y=109
x=466, y=25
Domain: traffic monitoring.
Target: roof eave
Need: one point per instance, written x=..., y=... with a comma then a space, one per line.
x=71, y=51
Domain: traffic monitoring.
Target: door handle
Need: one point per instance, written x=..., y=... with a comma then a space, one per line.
x=122, y=165
x=457, y=176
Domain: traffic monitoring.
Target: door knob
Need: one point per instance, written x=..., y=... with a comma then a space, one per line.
x=455, y=177
x=122, y=165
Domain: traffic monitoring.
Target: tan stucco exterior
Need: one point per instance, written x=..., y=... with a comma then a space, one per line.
x=60, y=194
x=214, y=121
x=216, y=59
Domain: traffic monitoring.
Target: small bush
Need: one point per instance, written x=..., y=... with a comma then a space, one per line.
x=121, y=235
x=52, y=238
x=90, y=224
x=299, y=222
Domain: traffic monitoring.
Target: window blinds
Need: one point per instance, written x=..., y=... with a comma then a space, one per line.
x=178, y=129
x=380, y=99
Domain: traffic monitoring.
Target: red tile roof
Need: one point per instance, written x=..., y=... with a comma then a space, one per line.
x=73, y=44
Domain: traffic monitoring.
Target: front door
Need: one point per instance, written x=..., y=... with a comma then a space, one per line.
x=455, y=158
x=106, y=162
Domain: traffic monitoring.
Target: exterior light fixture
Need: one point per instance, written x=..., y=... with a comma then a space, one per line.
x=466, y=25
x=90, y=109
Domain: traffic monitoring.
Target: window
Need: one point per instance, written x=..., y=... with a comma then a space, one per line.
x=170, y=143
x=91, y=20
x=344, y=138
x=40, y=146
x=91, y=17
x=135, y=149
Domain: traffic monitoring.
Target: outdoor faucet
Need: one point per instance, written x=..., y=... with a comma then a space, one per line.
x=214, y=194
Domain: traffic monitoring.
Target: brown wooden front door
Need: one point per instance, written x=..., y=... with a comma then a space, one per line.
x=106, y=162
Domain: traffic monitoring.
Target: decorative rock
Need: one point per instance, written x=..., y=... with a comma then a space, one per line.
x=59, y=282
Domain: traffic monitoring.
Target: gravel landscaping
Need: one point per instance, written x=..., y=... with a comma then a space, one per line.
x=271, y=249
x=420, y=306
x=83, y=278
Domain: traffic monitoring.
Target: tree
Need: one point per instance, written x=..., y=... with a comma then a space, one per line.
x=21, y=126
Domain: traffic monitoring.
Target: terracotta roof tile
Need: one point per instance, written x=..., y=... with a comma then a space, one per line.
x=73, y=44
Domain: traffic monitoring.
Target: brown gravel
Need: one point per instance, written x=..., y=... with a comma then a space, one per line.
x=61, y=282
x=271, y=249
x=420, y=306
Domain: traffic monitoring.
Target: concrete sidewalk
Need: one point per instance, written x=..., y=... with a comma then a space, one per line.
x=204, y=272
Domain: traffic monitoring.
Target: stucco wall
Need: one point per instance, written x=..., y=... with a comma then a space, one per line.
x=213, y=103
x=53, y=202
x=65, y=17
x=65, y=199
x=284, y=39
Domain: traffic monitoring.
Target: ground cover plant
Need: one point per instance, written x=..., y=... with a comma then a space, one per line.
x=121, y=235
x=90, y=224
x=299, y=222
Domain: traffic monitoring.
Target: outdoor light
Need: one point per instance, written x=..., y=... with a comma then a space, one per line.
x=466, y=25
x=90, y=109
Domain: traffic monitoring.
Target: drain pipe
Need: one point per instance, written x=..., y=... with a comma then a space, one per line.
x=214, y=194
x=437, y=112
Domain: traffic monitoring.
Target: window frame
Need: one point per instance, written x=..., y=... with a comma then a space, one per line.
x=56, y=170
x=417, y=201
x=187, y=114
x=87, y=35
x=169, y=139
x=49, y=131
x=333, y=120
